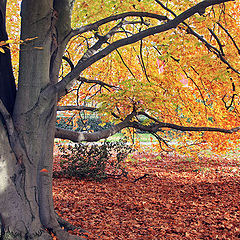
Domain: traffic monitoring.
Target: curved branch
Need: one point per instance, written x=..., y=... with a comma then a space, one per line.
x=83, y=64
x=232, y=98
x=96, y=136
x=229, y=35
x=96, y=25
x=69, y=61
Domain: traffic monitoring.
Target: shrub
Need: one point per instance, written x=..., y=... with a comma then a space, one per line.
x=93, y=161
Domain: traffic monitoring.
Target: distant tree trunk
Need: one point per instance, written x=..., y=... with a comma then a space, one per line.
x=7, y=82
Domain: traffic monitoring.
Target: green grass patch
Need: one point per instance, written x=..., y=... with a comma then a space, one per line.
x=142, y=137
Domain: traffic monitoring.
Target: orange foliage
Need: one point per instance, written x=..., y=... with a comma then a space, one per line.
x=172, y=76
x=184, y=82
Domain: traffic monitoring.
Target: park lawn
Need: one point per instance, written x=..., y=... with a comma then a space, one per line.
x=141, y=137
x=176, y=198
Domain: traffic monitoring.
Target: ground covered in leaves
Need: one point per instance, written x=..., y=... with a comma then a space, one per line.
x=176, y=198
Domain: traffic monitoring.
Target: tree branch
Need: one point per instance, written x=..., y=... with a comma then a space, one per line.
x=219, y=54
x=128, y=68
x=211, y=48
x=82, y=80
x=198, y=129
x=218, y=41
x=127, y=122
x=93, y=137
x=229, y=35
x=79, y=108
x=160, y=125
x=101, y=83
x=96, y=25
x=82, y=65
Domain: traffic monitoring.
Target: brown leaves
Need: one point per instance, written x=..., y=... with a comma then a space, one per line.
x=180, y=199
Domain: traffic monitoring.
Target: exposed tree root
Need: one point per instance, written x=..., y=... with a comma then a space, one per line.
x=68, y=226
x=63, y=235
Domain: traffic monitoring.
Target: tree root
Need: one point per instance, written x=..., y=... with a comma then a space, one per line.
x=63, y=235
x=68, y=226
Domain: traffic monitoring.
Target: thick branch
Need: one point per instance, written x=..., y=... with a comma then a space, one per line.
x=160, y=125
x=79, y=108
x=82, y=65
x=93, y=137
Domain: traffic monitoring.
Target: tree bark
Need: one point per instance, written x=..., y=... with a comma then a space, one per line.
x=26, y=203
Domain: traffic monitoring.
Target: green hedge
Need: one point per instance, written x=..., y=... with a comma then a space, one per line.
x=89, y=124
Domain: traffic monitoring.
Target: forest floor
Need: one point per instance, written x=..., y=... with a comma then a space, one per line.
x=178, y=198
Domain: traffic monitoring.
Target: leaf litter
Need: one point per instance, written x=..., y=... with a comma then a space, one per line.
x=164, y=197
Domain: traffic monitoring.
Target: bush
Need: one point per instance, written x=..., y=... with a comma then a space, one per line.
x=93, y=161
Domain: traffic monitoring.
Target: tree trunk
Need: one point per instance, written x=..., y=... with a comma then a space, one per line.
x=26, y=203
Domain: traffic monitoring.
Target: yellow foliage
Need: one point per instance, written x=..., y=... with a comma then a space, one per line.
x=172, y=76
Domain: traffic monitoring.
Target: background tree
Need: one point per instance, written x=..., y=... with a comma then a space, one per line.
x=158, y=77
x=7, y=82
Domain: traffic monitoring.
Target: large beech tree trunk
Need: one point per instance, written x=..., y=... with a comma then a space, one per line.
x=26, y=204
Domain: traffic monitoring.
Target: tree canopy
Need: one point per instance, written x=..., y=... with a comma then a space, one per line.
x=185, y=78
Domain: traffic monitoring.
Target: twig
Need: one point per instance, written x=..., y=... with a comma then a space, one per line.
x=145, y=175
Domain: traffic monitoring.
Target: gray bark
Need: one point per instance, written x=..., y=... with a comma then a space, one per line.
x=26, y=204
